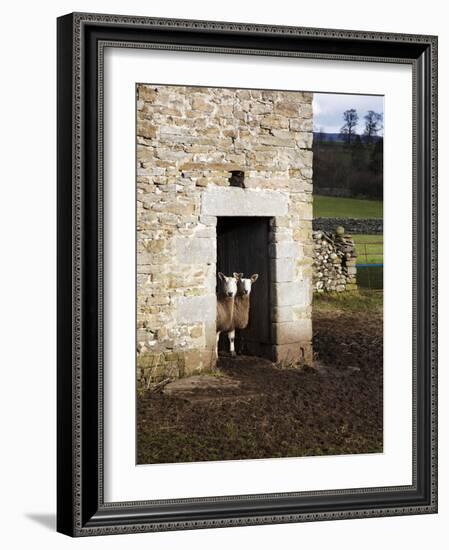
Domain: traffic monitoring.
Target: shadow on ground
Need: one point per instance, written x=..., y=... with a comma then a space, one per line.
x=46, y=520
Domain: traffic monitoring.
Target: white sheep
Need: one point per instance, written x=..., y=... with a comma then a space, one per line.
x=227, y=289
x=242, y=300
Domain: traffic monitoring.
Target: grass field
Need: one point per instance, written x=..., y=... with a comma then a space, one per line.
x=360, y=301
x=339, y=207
x=369, y=248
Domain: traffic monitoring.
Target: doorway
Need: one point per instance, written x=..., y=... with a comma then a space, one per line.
x=242, y=247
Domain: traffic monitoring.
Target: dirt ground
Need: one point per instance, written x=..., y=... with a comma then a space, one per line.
x=254, y=409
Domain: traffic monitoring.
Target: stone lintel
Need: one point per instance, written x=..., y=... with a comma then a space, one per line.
x=233, y=201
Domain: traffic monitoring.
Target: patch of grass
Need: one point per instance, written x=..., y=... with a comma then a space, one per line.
x=378, y=239
x=369, y=248
x=340, y=207
x=367, y=301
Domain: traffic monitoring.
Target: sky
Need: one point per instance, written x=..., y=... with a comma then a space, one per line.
x=328, y=110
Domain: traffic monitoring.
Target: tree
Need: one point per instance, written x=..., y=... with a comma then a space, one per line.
x=373, y=124
x=351, y=119
x=358, y=153
x=377, y=158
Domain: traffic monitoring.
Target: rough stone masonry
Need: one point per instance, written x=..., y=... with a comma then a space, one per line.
x=335, y=258
x=190, y=142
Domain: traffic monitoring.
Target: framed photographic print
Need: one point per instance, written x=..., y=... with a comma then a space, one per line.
x=246, y=274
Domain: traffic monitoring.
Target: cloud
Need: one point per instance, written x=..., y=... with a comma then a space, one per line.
x=328, y=109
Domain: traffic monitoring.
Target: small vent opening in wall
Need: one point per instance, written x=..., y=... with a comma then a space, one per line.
x=237, y=179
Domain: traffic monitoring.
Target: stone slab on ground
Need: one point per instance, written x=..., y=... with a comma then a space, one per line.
x=202, y=384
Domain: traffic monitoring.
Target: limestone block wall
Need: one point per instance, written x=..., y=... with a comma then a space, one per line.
x=190, y=140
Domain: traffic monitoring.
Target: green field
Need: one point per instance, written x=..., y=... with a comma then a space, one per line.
x=338, y=207
x=359, y=301
x=369, y=248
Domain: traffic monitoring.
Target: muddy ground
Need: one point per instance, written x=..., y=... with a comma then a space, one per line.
x=255, y=409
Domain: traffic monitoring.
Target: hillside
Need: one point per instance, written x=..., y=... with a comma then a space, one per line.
x=338, y=207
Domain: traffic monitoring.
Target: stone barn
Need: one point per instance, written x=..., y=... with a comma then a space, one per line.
x=224, y=183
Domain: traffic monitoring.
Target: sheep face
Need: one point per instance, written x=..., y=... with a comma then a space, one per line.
x=228, y=285
x=244, y=285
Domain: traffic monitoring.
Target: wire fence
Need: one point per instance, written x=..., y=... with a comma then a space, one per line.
x=370, y=265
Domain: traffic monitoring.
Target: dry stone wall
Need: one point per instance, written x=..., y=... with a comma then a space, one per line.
x=190, y=143
x=334, y=265
x=367, y=226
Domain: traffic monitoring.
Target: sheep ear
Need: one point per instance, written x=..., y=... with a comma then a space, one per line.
x=221, y=276
x=254, y=277
x=238, y=275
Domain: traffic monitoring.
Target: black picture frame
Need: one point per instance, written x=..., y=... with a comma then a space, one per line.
x=81, y=510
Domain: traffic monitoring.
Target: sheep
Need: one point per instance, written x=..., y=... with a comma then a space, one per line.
x=227, y=289
x=242, y=301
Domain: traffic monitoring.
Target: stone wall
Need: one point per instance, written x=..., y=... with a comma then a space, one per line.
x=190, y=141
x=334, y=265
x=368, y=226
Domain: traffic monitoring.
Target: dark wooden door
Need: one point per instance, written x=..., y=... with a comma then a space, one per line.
x=242, y=247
